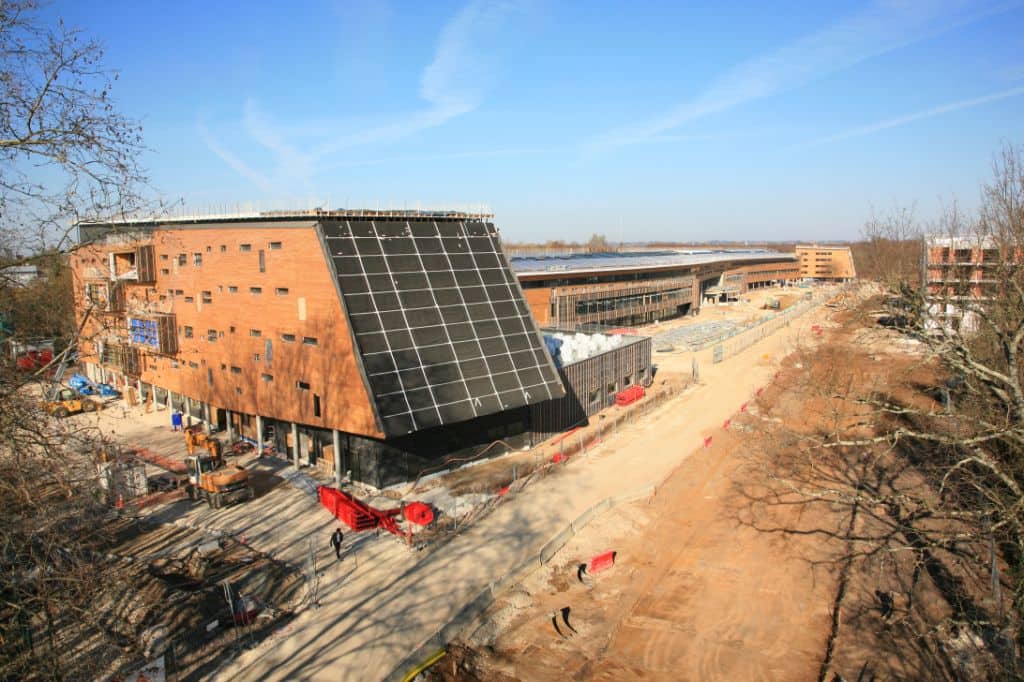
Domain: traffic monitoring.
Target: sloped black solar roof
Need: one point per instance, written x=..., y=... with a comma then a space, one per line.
x=443, y=332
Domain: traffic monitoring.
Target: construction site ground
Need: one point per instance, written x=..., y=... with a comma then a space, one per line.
x=726, y=573
x=363, y=615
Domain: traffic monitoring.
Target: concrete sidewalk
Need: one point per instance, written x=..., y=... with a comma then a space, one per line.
x=381, y=602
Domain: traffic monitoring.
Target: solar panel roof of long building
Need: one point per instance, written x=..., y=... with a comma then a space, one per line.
x=440, y=321
x=529, y=265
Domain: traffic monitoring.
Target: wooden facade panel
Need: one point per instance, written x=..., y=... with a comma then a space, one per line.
x=260, y=329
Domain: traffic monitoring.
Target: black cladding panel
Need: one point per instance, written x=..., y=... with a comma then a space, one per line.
x=442, y=331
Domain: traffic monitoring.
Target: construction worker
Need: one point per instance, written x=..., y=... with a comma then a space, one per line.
x=336, y=539
x=190, y=442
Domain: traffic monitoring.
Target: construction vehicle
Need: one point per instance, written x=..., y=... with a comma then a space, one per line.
x=210, y=480
x=67, y=401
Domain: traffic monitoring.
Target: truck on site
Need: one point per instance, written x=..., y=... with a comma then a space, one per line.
x=210, y=480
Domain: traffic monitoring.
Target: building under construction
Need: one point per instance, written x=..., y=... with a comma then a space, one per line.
x=380, y=342
x=625, y=289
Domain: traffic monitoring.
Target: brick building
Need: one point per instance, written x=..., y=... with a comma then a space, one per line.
x=379, y=342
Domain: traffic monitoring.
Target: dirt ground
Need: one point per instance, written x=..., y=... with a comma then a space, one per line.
x=722, y=573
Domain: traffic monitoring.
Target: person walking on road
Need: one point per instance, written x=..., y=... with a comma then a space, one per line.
x=336, y=539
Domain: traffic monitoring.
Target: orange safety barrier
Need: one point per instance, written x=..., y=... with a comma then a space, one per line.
x=601, y=562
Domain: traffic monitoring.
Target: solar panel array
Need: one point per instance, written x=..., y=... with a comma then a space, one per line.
x=442, y=328
x=634, y=259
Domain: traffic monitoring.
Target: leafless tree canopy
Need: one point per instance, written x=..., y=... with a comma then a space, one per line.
x=933, y=475
x=66, y=154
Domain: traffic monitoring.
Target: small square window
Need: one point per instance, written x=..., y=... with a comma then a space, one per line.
x=188, y=332
x=281, y=291
x=238, y=390
x=236, y=370
x=209, y=249
x=309, y=340
x=231, y=330
x=189, y=299
x=223, y=366
x=207, y=297
x=245, y=247
x=197, y=259
x=232, y=289
x=220, y=335
x=165, y=271
x=302, y=385
x=223, y=248
x=179, y=292
x=193, y=365
x=182, y=259
x=256, y=357
x=288, y=337
x=267, y=377
x=275, y=246
x=211, y=334
x=256, y=291
x=220, y=288
x=255, y=332
x=163, y=256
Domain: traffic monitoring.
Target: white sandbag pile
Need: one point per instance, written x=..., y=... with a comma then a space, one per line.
x=576, y=347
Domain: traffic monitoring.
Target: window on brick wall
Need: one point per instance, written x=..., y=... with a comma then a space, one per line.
x=256, y=291
x=245, y=247
x=223, y=248
x=290, y=338
x=267, y=377
x=165, y=271
x=255, y=332
x=209, y=249
x=207, y=297
x=275, y=246
x=256, y=357
x=211, y=334
x=309, y=340
x=316, y=405
x=182, y=259
x=197, y=259
x=189, y=299
x=232, y=289
x=193, y=365
x=281, y=291
x=163, y=256
x=179, y=292
x=263, y=261
x=302, y=385
x=236, y=370
x=188, y=332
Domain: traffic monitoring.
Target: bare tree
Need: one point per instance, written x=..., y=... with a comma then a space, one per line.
x=66, y=155
x=930, y=471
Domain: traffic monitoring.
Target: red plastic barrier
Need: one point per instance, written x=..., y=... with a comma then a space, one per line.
x=502, y=492
x=419, y=513
x=355, y=514
x=629, y=395
x=601, y=562
x=558, y=458
x=707, y=442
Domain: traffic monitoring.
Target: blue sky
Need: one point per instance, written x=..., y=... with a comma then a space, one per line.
x=643, y=121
